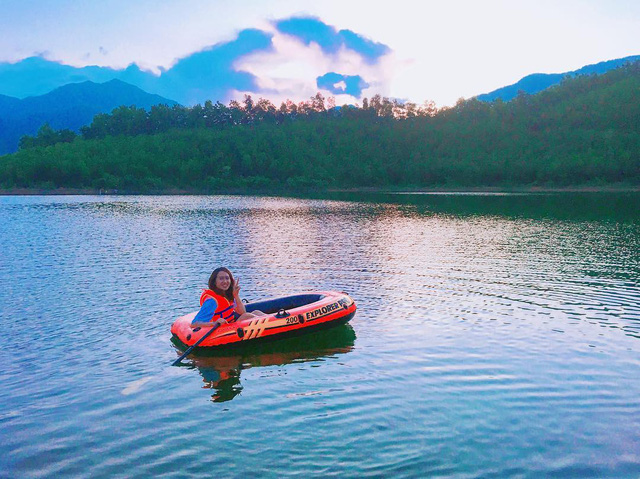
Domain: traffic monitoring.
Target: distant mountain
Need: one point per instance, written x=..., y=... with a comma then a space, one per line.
x=70, y=106
x=208, y=74
x=7, y=102
x=541, y=81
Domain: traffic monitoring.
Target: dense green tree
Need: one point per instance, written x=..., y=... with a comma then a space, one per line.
x=586, y=129
x=47, y=136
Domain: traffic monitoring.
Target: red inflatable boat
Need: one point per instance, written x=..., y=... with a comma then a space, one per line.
x=285, y=316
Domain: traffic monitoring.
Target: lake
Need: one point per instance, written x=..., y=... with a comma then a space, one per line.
x=497, y=335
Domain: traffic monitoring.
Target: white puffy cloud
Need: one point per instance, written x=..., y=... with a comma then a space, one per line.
x=291, y=69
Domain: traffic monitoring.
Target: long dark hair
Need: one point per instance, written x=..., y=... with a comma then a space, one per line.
x=212, y=283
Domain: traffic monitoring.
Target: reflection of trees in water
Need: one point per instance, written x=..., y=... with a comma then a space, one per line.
x=571, y=206
x=220, y=369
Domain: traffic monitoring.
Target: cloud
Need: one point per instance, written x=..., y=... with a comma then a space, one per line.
x=311, y=29
x=342, y=84
x=308, y=56
x=210, y=73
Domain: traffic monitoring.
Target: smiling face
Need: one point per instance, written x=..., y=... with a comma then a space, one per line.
x=223, y=281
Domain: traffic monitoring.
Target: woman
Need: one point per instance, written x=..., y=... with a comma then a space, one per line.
x=221, y=303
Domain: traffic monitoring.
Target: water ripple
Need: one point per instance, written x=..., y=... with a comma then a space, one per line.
x=486, y=343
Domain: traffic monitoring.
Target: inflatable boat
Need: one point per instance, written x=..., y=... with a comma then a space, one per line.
x=286, y=316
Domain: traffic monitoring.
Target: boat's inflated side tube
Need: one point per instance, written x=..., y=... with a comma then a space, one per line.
x=283, y=316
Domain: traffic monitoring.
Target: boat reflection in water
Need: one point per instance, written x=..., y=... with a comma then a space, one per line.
x=220, y=368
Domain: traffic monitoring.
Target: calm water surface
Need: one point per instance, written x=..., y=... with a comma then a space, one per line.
x=496, y=336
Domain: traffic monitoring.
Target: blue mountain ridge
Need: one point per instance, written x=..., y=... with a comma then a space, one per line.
x=67, y=107
x=537, y=82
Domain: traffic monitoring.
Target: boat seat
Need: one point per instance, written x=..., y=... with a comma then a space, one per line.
x=270, y=306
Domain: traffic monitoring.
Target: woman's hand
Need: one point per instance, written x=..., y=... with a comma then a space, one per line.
x=240, y=309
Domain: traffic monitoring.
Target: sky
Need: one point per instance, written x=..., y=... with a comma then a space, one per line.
x=406, y=49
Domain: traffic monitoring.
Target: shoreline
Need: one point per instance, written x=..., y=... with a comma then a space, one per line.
x=416, y=190
x=499, y=189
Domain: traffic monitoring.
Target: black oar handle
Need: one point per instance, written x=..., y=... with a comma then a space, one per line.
x=186, y=353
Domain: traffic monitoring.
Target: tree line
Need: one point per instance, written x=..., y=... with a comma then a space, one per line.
x=585, y=130
x=131, y=121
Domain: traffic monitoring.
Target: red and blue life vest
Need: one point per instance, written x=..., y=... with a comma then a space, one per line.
x=214, y=307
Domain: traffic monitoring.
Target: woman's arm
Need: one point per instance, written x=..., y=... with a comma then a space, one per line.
x=240, y=308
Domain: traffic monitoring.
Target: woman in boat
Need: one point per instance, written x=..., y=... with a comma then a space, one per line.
x=221, y=303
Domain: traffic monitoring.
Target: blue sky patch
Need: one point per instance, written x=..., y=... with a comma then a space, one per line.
x=210, y=74
x=342, y=84
x=311, y=29
x=370, y=50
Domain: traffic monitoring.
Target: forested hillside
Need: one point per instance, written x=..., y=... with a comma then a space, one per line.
x=68, y=107
x=540, y=81
x=585, y=130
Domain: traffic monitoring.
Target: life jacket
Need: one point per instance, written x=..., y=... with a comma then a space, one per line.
x=213, y=307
